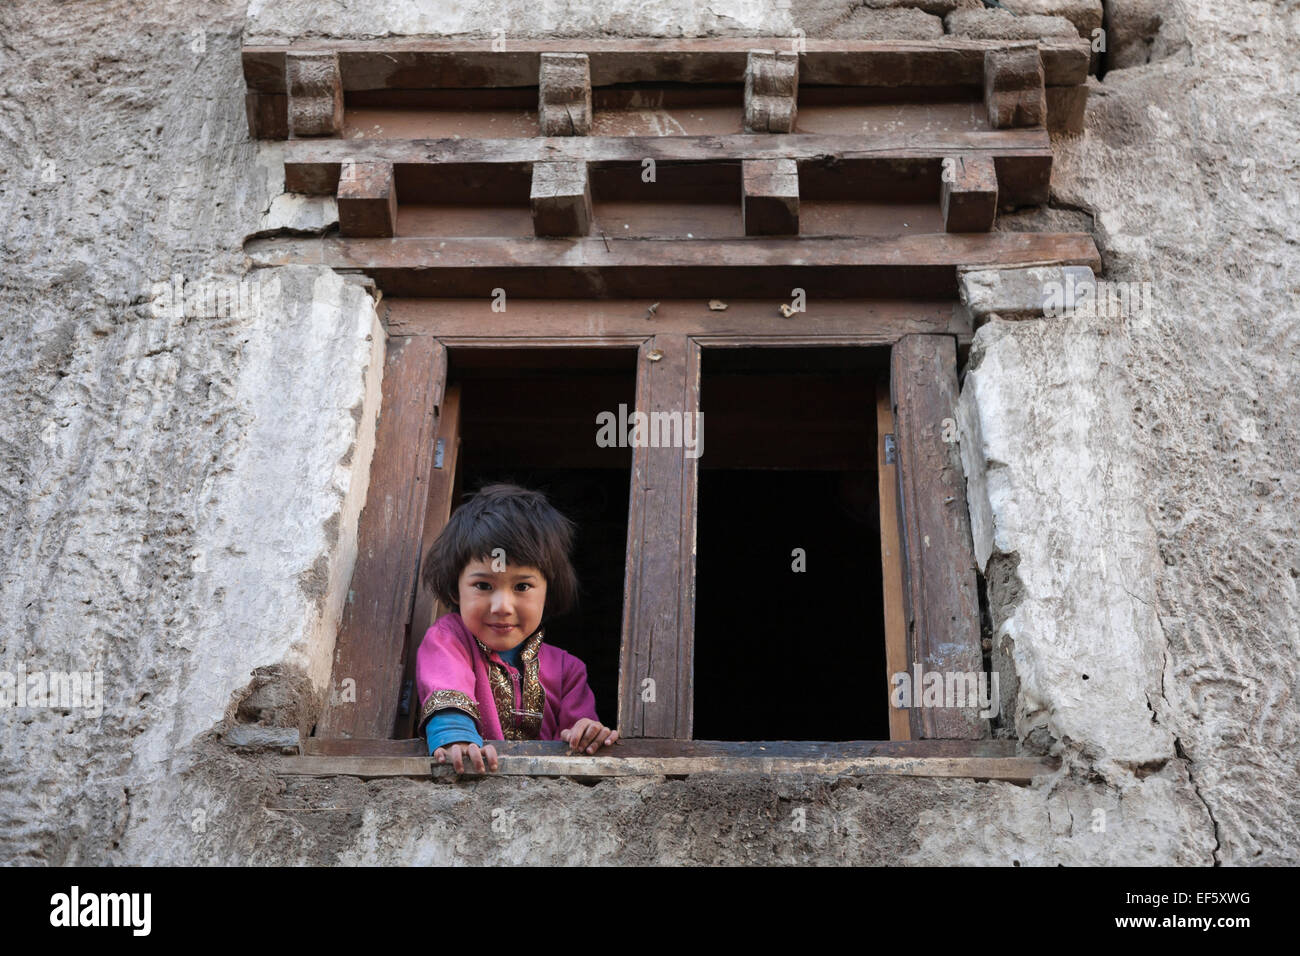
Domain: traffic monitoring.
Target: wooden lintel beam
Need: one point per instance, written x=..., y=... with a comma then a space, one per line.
x=457, y=63
x=968, y=196
x=919, y=266
x=471, y=322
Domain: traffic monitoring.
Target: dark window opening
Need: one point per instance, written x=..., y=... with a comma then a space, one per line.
x=789, y=462
x=528, y=416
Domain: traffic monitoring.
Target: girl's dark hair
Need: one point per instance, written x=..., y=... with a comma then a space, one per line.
x=524, y=524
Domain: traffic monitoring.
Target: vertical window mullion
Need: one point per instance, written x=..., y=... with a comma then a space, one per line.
x=657, y=663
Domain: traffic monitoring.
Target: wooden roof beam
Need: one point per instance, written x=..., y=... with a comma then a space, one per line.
x=464, y=64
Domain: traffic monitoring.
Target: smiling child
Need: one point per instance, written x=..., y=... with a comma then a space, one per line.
x=482, y=671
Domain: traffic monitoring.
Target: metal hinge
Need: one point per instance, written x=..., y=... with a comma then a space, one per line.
x=438, y=452
x=891, y=450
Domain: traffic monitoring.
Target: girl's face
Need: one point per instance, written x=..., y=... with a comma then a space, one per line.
x=501, y=608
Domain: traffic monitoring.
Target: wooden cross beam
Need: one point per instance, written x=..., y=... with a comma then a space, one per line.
x=919, y=266
x=500, y=170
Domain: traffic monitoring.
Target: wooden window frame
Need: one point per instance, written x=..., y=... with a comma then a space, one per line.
x=929, y=594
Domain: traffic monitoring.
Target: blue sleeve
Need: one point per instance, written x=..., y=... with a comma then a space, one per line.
x=449, y=727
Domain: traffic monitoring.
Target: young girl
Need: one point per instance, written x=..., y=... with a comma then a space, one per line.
x=482, y=672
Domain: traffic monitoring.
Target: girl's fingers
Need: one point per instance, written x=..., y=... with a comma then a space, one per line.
x=440, y=755
x=457, y=759
x=491, y=753
x=575, y=735
x=598, y=740
x=476, y=757
x=613, y=736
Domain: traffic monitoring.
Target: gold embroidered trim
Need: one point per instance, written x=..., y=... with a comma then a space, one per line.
x=523, y=722
x=445, y=700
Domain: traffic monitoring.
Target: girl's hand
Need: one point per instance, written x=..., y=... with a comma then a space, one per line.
x=459, y=752
x=588, y=733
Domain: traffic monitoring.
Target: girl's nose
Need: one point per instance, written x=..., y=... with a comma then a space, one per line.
x=502, y=601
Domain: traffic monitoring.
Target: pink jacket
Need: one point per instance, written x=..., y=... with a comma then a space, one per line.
x=549, y=692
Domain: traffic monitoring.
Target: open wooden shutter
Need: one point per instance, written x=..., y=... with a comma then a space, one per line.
x=369, y=655
x=444, y=484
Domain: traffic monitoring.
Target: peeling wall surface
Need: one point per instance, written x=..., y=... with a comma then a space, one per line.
x=182, y=480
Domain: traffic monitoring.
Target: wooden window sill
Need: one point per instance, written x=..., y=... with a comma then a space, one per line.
x=981, y=760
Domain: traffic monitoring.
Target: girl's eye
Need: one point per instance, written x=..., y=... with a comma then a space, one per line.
x=479, y=585
x=524, y=585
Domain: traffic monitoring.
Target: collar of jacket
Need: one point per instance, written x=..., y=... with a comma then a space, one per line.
x=531, y=646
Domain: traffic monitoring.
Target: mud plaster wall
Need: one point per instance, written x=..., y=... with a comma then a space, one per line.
x=180, y=495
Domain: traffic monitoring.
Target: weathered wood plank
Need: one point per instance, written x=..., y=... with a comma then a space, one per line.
x=921, y=266
x=891, y=558
x=968, y=199
x=268, y=115
x=942, y=603
x=561, y=199
x=442, y=485
x=459, y=63
x=1015, y=769
x=655, y=688
x=372, y=634
x=500, y=170
x=771, y=91
x=471, y=322
x=315, y=89
x=1066, y=106
x=770, y=201
x=367, y=200
x=564, y=94
x=1014, y=91
x=655, y=747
